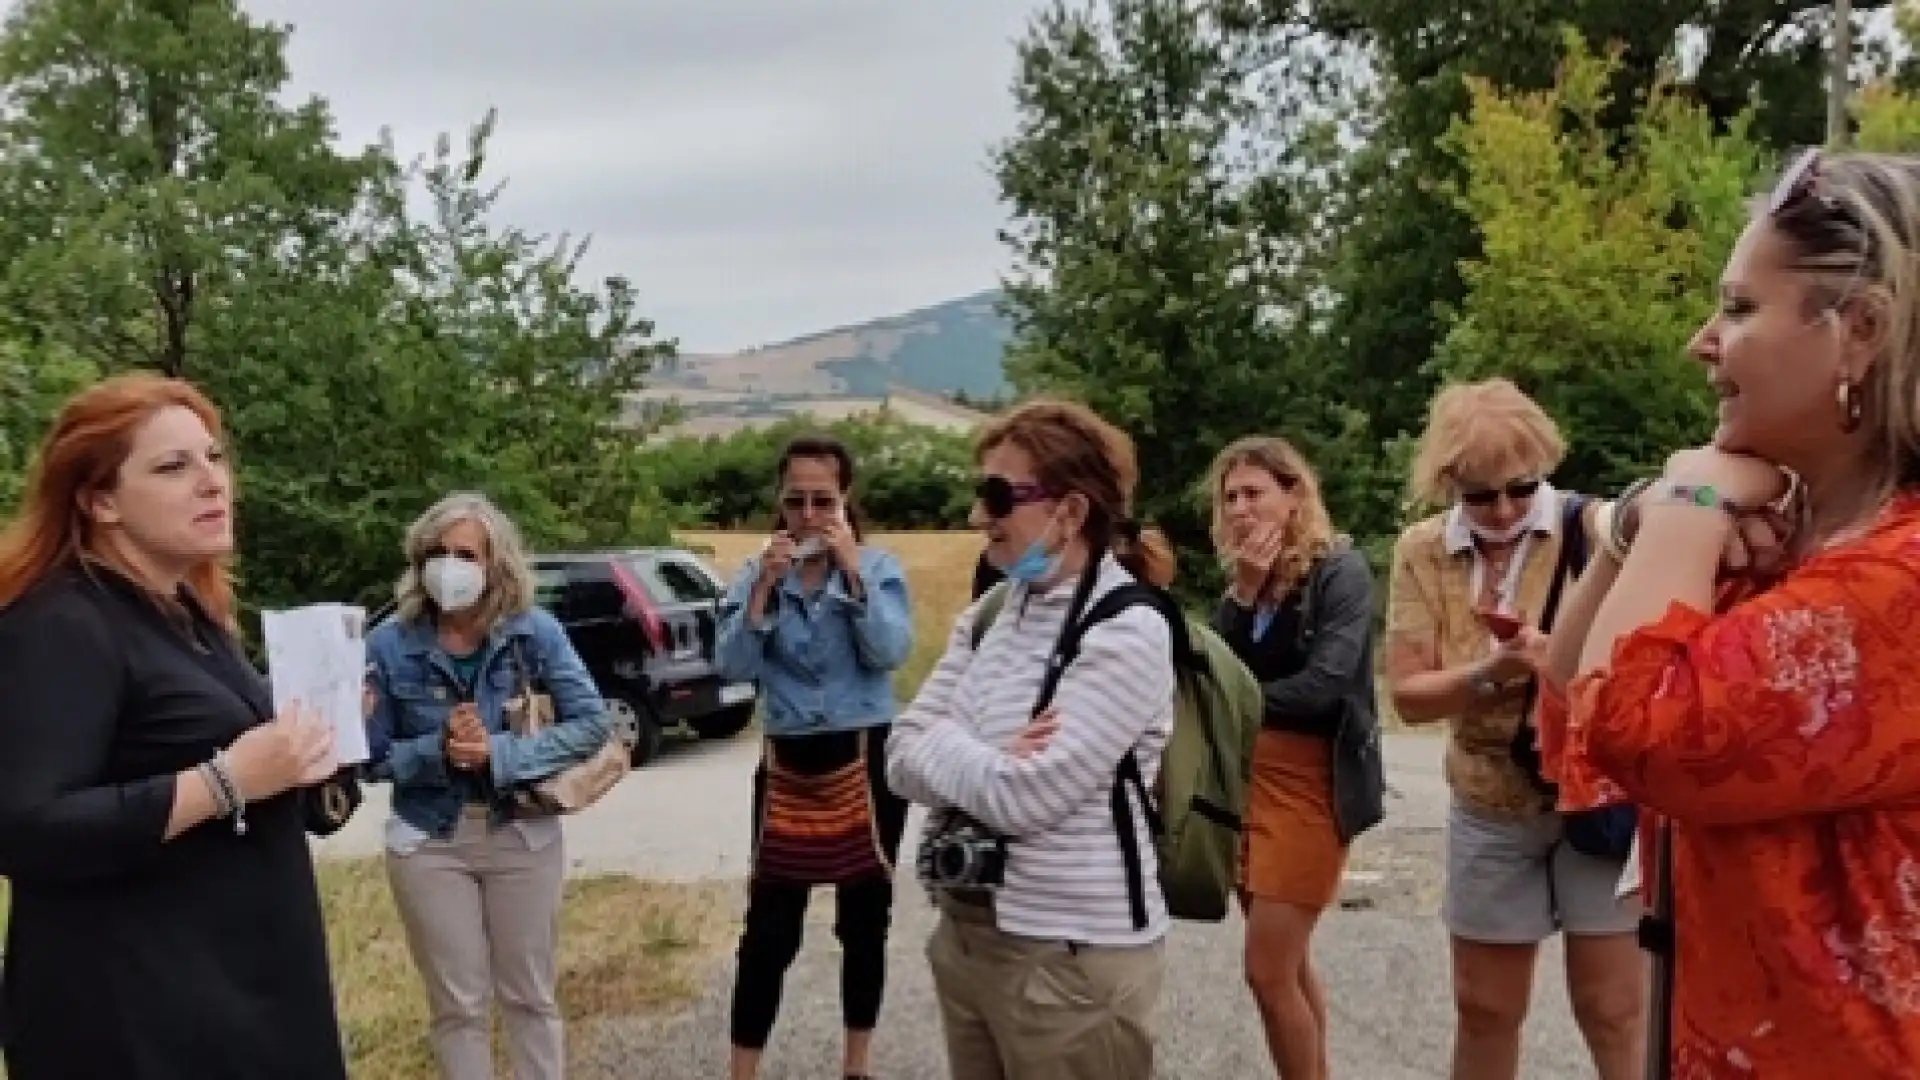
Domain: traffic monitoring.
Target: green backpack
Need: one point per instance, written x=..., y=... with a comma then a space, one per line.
x=1201, y=793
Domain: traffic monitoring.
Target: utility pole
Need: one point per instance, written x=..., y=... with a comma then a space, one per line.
x=1839, y=82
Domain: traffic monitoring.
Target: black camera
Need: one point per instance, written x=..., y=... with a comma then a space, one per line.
x=962, y=854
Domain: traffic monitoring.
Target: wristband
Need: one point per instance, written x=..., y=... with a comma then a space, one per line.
x=1705, y=496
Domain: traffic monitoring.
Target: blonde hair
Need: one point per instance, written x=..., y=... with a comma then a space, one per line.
x=1478, y=430
x=1859, y=240
x=509, y=577
x=1307, y=537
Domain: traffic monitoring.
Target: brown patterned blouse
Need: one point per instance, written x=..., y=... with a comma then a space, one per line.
x=1431, y=626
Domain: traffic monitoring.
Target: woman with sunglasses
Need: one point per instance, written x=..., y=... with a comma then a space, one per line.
x=477, y=879
x=820, y=620
x=1758, y=697
x=1315, y=663
x=1469, y=589
x=1047, y=961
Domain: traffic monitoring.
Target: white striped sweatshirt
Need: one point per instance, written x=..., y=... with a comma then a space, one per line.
x=1065, y=879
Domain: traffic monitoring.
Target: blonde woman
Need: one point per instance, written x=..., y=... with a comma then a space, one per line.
x=1759, y=699
x=478, y=886
x=1299, y=612
x=1470, y=587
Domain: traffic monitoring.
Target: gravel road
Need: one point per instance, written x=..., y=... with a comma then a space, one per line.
x=1383, y=954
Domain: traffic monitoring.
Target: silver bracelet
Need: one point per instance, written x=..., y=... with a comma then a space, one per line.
x=233, y=803
x=1616, y=540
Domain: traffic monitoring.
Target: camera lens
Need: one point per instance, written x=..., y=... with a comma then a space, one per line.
x=952, y=861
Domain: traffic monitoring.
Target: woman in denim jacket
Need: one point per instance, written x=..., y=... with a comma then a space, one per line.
x=820, y=621
x=477, y=885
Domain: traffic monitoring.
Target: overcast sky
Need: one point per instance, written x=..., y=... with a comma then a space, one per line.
x=759, y=168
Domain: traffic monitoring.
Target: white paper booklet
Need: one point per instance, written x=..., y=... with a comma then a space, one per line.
x=317, y=655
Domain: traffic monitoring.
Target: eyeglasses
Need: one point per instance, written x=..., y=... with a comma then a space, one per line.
x=1514, y=490
x=810, y=500
x=1000, y=496
x=464, y=554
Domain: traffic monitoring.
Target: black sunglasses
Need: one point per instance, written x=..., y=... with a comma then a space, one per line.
x=461, y=553
x=1000, y=496
x=1514, y=490
x=802, y=500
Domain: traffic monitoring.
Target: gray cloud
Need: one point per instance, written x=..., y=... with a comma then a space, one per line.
x=758, y=168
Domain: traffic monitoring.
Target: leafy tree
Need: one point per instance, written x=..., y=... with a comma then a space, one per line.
x=906, y=476
x=33, y=383
x=1597, y=260
x=1886, y=119
x=1163, y=233
x=160, y=207
x=1759, y=65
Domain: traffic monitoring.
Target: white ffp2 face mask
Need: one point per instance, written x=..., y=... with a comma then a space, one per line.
x=454, y=583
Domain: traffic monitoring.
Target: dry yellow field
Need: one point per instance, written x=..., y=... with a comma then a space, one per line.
x=939, y=578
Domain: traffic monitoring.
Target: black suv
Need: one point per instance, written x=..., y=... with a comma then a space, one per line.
x=644, y=622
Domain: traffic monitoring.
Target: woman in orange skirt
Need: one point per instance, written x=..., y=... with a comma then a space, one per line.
x=1299, y=613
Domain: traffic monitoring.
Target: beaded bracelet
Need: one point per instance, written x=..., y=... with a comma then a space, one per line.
x=226, y=792
x=1617, y=541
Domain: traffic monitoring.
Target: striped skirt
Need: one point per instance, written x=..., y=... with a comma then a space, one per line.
x=823, y=814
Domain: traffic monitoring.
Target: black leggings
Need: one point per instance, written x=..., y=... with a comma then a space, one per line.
x=776, y=911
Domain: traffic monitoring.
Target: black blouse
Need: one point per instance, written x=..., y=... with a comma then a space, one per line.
x=128, y=955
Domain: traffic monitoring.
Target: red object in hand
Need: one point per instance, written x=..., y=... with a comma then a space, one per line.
x=1503, y=627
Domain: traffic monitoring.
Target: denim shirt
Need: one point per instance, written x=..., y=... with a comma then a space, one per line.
x=823, y=662
x=416, y=688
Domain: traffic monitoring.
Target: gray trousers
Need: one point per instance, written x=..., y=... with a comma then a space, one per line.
x=482, y=917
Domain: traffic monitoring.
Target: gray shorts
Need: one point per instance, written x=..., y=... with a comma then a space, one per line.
x=1515, y=883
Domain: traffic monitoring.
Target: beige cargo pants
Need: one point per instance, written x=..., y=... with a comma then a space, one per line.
x=1020, y=1009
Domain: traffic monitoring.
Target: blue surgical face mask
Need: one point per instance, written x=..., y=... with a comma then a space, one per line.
x=1037, y=564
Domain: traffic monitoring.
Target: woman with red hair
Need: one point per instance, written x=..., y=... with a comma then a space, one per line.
x=153, y=811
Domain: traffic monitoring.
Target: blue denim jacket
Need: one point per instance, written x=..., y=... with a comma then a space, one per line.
x=825, y=662
x=416, y=690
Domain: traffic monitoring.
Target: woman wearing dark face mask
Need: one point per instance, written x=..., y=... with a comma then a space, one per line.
x=476, y=879
x=1468, y=591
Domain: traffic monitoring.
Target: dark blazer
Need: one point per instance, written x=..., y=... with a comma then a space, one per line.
x=1337, y=635
x=211, y=946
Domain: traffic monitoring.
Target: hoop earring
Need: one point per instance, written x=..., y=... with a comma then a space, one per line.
x=1852, y=403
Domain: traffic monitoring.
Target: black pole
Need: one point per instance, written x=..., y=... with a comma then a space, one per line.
x=1657, y=937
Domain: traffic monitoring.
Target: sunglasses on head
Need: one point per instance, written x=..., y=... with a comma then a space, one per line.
x=1000, y=496
x=1801, y=181
x=1514, y=490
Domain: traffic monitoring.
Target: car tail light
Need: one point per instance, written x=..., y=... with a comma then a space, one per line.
x=640, y=607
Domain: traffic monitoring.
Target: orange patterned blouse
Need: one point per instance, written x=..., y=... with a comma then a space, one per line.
x=1781, y=738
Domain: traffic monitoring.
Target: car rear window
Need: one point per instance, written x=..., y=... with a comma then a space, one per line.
x=676, y=581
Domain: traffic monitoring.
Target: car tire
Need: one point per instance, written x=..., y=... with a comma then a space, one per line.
x=638, y=728
x=724, y=724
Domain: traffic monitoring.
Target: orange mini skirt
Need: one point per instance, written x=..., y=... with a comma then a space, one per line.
x=1292, y=851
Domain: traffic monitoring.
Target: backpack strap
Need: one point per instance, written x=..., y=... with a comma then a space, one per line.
x=1572, y=563
x=991, y=602
x=1573, y=556
x=1116, y=600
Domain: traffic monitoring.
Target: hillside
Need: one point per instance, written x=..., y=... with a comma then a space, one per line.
x=952, y=347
